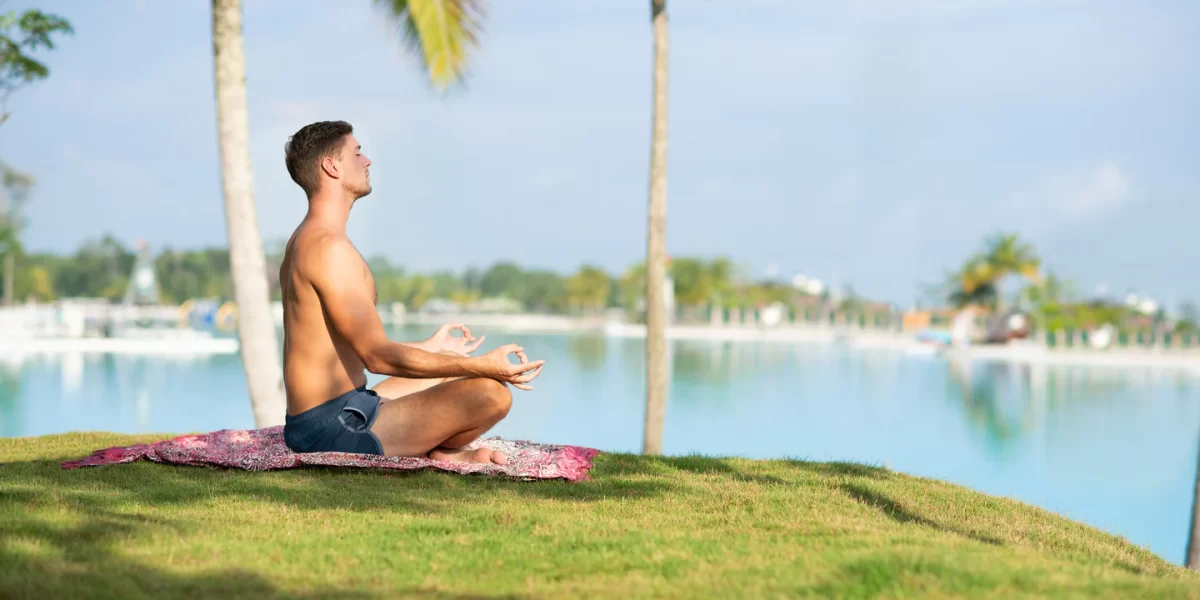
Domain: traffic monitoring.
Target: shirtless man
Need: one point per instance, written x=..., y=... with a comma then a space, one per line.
x=438, y=398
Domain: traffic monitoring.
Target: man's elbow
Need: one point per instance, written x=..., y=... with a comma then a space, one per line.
x=375, y=361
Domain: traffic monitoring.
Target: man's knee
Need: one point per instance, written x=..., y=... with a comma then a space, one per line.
x=495, y=397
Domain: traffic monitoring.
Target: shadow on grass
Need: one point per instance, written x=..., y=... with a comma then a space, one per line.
x=895, y=575
x=625, y=465
x=81, y=563
x=900, y=514
x=897, y=512
x=843, y=469
x=735, y=469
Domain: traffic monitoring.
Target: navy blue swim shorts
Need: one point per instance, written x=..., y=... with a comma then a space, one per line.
x=340, y=425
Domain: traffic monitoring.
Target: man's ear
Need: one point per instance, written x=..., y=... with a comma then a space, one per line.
x=331, y=168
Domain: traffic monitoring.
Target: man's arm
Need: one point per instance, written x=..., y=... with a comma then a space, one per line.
x=335, y=272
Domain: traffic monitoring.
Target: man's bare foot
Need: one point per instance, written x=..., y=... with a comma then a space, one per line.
x=480, y=455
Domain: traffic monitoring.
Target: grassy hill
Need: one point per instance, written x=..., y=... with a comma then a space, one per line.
x=643, y=527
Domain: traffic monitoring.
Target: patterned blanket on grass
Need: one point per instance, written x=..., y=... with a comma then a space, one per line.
x=264, y=450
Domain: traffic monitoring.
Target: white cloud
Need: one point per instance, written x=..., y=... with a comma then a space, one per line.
x=1104, y=189
x=1073, y=195
x=1079, y=193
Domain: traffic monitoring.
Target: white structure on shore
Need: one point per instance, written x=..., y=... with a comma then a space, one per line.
x=138, y=325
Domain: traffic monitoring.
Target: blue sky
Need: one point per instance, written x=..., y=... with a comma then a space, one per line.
x=866, y=142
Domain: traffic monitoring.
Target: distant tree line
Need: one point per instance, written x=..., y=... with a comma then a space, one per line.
x=101, y=269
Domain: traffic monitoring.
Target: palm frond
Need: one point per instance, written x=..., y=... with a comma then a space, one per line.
x=441, y=32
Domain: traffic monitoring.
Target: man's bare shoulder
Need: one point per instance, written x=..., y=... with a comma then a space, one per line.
x=318, y=253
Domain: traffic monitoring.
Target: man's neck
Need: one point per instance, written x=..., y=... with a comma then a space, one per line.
x=330, y=210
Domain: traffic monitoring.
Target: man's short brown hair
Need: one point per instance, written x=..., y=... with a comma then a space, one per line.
x=306, y=149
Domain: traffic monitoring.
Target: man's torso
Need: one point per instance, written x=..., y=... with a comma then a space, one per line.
x=318, y=363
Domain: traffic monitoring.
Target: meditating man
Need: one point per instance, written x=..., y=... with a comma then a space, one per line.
x=438, y=398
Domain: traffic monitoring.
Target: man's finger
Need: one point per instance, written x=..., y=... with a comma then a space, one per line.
x=472, y=347
x=524, y=359
x=527, y=377
x=522, y=387
x=526, y=367
x=532, y=374
x=529, y=366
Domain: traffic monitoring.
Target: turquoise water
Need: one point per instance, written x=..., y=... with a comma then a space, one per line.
x=1113, y=448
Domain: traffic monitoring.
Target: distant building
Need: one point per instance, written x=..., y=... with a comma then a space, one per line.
x=143, y=283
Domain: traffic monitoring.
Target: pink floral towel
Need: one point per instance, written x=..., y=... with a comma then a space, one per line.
x=263, y=450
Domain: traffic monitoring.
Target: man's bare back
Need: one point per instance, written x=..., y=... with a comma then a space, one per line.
x=318, y=363
x=438, y=398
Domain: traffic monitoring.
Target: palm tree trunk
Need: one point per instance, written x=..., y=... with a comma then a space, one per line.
x=1193, y=545
x=656, y=268
x=256, y=327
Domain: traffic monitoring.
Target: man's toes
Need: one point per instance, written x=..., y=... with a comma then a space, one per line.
x=499, y=458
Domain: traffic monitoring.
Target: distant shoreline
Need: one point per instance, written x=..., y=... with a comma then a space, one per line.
x=1022, y=352
x=850, y=336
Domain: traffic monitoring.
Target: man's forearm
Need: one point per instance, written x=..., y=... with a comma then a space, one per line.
x=414, y=362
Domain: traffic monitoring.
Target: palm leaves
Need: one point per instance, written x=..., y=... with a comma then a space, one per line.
x=978, y=281
x=441, y=32
x=1007, y=255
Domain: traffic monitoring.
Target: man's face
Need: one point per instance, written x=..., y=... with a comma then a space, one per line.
x=355, y=166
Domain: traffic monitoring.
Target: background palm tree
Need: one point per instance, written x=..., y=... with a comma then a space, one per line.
x=978, y=281
x=1193, y=544
x=1007, y=255
x=656, y=264
x=440, y=30
x=247, y=262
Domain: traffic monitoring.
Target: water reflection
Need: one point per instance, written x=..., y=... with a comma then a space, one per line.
x=135, y=378
x=712, y=363
x=1006, y=402
x=588, y=351
x=995, y=398
x=72, y=373
x=721, y=363
x=11, y=376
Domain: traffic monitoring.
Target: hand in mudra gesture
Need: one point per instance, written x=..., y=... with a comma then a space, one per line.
x=443, y=341
x=498, y=366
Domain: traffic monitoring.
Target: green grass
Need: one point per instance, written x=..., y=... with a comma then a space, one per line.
x=683, y=527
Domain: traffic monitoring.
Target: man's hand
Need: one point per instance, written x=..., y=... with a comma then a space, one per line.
x=441, y=340
x=498, y=367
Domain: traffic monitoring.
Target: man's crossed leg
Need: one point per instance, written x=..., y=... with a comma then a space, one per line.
x=437, y=418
